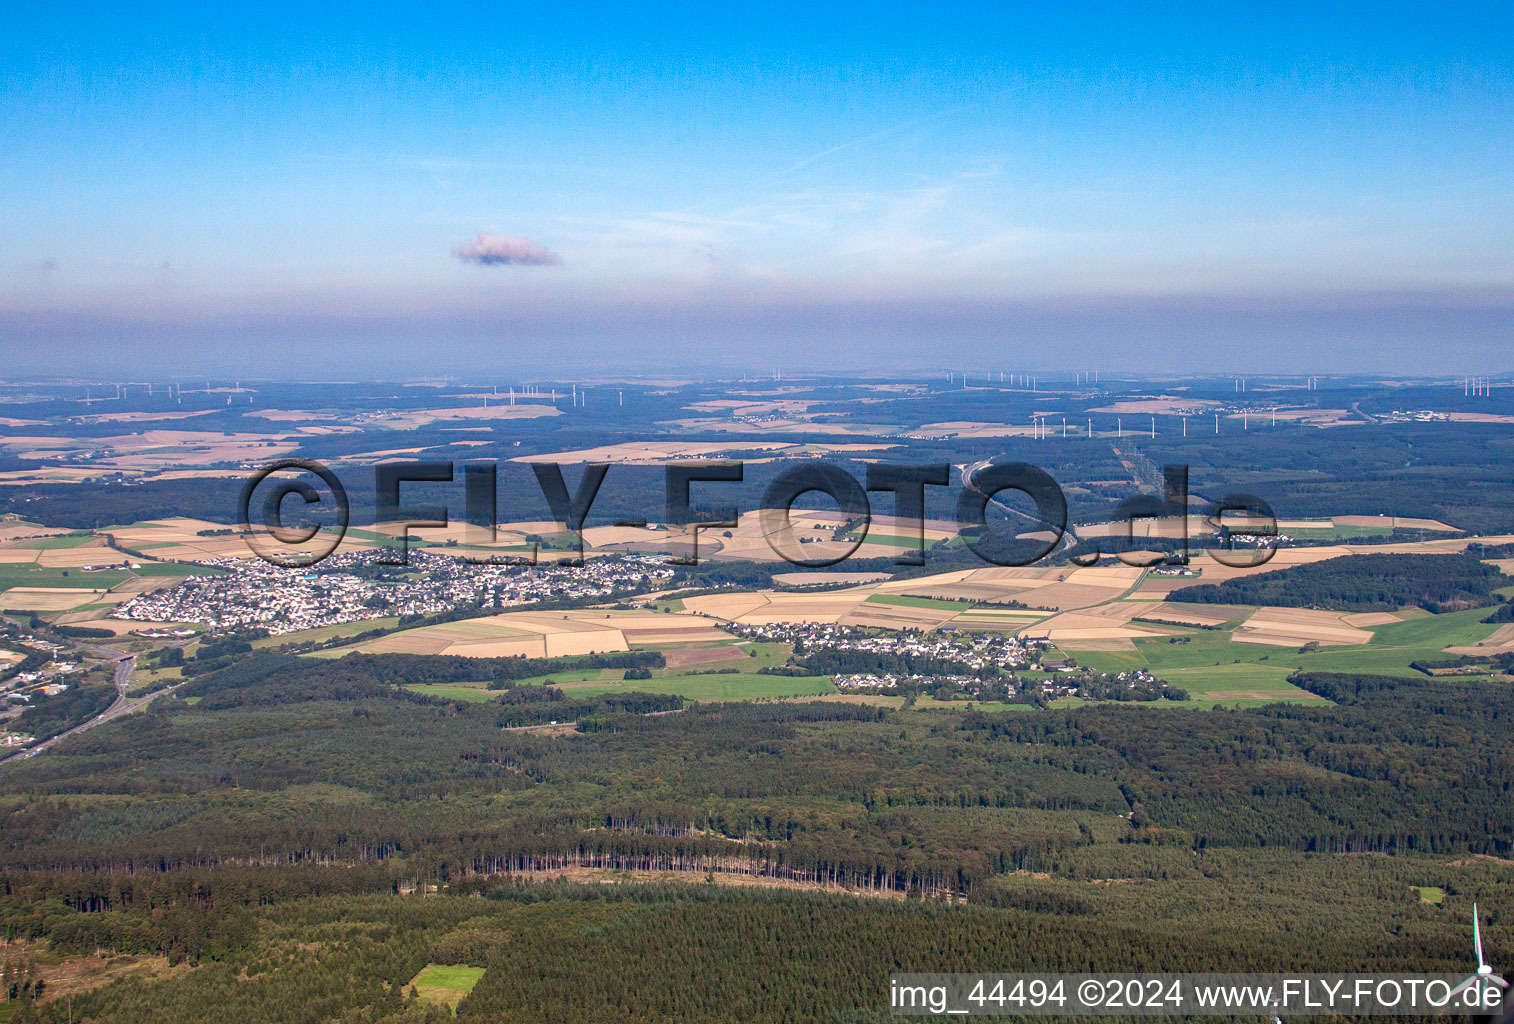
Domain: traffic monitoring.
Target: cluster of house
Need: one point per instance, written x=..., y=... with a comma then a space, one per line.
x=972, y=650
x=46, y=689
x=18, y=690
x=1064, y=681
x=355, y=586
x=35, y=643
x=18, y=642
x=894, y=681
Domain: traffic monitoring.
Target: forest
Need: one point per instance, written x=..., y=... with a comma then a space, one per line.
x=1362, y=583
x=271, y=831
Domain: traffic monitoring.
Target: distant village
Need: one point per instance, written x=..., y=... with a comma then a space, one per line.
x=974, y=650
x=983, y=666
x=355, y=586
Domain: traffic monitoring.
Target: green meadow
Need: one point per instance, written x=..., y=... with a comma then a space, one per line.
x=1211, y=662
x=941, y=604
x=445, y=986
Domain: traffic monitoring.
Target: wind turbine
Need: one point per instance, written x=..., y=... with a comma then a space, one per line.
x=1484, y=975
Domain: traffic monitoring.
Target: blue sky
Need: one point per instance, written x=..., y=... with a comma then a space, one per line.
x=1004, y=184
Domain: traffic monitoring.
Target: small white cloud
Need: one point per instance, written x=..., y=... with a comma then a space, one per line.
x=506, y=250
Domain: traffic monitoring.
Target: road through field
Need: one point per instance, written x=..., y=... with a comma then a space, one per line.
x=122, y=705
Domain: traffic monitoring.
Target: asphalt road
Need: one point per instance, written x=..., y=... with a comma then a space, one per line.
x=1070, y=534
x=122, y=705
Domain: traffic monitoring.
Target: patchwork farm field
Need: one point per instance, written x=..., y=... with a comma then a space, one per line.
x=1209, y=664
x=698, y=680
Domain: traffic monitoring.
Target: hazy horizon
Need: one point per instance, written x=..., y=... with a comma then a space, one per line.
x=1296, y=189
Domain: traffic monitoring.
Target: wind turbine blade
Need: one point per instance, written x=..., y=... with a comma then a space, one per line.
x=1477, y=937
x=1459, y=989
x=1495, y=979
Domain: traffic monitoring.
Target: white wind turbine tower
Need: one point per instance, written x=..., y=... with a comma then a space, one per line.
x=1484, y=976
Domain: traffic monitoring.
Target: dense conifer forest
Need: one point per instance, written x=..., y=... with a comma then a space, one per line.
x=294, y=839
x=1362, y=583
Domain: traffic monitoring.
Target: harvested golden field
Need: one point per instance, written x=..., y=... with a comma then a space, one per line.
x=807, y=535
x=93, y=552
x=819, y=578
x=780, y=426
x=170, y=449
x=1066, y=596
x=1285, y=525
x=13, y=532
x=660, y=638
x=616, y=536
x=999, y=619
x=1294, y=627
x=56, y=475
x=49, y=599
x=410, y=419
x=1501, y=641
x=972, y=428
x=548, y=634
x=976, y=592
x=39, y=446
x=97, y=619
x=412, y=641
x=725, y=606
x=1162, y=405
x=648, y=453
x=1394, y=523
x=645, y=629
x=894, y=616
x=1048, y=588
x=782, y=607
x=178, y=539
x=139, y=417
x=297, y=415
x=1167, y=527
x=596, y=641
x=1306, y=416
x=1119, y=577
x=1364, y=619
x=197, y=474
x=1081, y=645
x=146, y=452
x=696, y=656
x=1479, y=417
x=1179, y=614
x=753, y=407
x=1107, y=627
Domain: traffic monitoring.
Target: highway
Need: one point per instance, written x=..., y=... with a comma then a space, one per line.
x=1070, y=534
x=122, y=705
